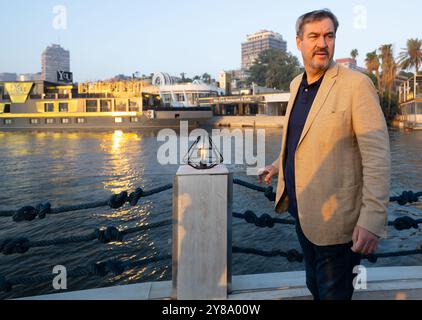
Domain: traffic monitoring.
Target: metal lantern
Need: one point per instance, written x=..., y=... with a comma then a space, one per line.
x=203, y=154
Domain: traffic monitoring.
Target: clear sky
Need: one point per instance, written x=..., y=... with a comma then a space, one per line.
x=109, y=37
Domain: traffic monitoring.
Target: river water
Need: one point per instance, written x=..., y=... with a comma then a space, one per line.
x=76, y=167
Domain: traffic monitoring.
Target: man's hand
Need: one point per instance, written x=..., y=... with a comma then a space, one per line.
x=268, y=172
x=364, y=241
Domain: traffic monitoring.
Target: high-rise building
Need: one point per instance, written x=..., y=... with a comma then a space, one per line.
x=258, y=42
x=55, y=64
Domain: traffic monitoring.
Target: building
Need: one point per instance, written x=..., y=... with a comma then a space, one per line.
x=268, y=104
x=5, y=76
x=350, y=63
x=55, y=63
x=258, y=42
x=29, y=77
x=410, y=99
x=224, y=82
x=182, y=95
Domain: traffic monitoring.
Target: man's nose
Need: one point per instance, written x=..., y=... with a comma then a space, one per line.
x=321, y=43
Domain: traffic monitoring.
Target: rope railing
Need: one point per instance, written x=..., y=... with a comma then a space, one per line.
x=266, y=221
x=115, y=201
x=294, y=256
x=403, y=199
x=105, y=235
x=116, y=267
x=268, y=191
x=263, y=221
x=111, y=233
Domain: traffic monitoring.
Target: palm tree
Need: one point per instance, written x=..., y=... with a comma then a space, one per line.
x=389, y=70
x=373, y=65
x=206, y=77
x=412, y=55
x=354, y=53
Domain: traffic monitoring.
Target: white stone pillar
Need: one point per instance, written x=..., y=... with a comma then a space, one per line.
x=202, y=215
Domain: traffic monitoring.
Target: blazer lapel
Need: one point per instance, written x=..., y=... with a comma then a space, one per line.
x=324, y=90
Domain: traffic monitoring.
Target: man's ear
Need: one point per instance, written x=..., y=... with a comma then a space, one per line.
x=298, y=43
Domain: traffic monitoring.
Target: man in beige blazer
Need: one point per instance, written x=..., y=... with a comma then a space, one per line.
x=334, y=166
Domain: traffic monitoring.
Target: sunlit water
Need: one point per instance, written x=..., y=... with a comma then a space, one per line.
x=76, y=167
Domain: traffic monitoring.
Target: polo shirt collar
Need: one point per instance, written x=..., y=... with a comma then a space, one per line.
x=305, y=84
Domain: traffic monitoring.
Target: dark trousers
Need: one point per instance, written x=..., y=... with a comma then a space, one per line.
x=329, y=269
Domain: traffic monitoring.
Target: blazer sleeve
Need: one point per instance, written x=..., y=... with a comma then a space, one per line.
x=371, y=132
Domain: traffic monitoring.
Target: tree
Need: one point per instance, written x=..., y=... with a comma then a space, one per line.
x=274, y=69
x=389, y=71
x=206, y=78
x=354, y=53
x=411, y=57
x=373, y=65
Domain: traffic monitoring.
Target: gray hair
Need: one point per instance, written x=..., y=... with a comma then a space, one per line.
x=312, y=16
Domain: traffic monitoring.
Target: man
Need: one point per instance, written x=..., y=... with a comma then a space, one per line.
x=334, y=164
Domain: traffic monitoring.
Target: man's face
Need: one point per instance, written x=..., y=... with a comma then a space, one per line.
x=317, y=44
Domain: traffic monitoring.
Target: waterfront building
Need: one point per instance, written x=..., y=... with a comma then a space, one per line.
x=258, y=42
x=410, y=101
x=265, y=104
x=183, y=95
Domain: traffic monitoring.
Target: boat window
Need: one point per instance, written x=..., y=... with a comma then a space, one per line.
x=91, y=105
x=48, y=107
x=63, y=107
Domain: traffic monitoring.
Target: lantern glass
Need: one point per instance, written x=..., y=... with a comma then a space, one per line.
x=203, y=154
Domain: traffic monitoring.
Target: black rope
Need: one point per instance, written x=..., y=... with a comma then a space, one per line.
x=406, y=197
x=374, y=257
x=104, y=235
x=268, y=191
x=115, y=201
x=116, y=267
x=265, y=220
x=406, y=222
x=292, y=255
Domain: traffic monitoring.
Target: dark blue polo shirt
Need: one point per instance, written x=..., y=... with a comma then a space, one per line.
x=304, y=99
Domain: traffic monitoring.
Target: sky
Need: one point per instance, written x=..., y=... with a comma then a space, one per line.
x=107, y=37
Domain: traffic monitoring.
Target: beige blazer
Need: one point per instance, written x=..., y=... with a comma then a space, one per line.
x=342, y=162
